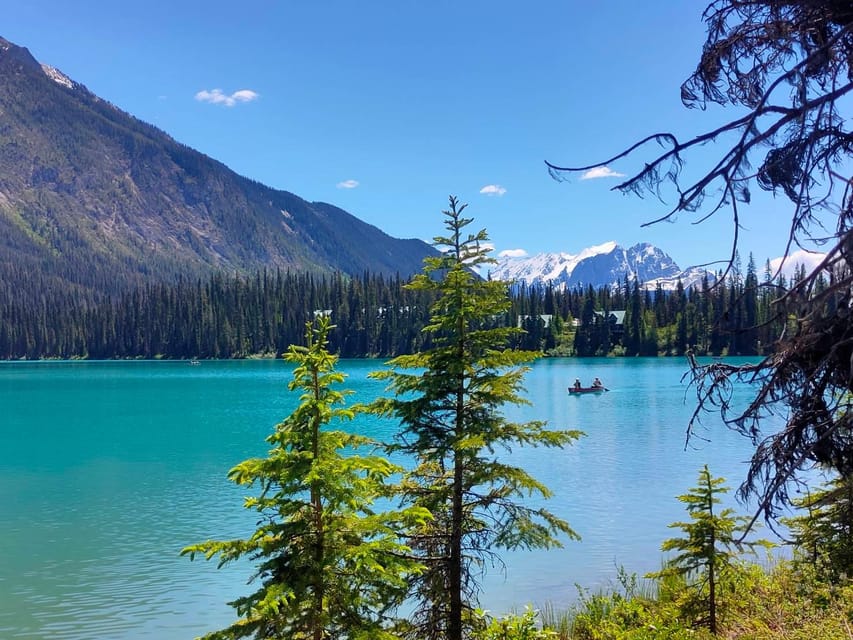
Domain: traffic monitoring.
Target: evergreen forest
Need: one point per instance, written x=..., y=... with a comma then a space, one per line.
x=240, y=316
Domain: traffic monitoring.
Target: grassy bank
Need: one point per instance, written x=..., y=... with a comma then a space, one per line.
x=786, y=600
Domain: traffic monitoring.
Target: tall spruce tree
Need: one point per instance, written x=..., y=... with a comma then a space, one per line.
x=330, y=565
x=448, y=400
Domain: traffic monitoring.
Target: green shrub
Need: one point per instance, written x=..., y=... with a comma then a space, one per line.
x=514, y=627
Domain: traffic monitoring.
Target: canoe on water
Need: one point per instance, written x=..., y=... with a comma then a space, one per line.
x=588, y=390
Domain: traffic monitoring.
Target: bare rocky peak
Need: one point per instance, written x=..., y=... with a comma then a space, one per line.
x=17, y=56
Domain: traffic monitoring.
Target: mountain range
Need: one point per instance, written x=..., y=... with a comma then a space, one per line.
x=95, y=201
x=607, y=264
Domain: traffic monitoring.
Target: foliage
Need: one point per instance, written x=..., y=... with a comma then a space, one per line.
x=787, y=601
x=823, y=534
x=706, y=552
x=330, y=565
x=610, y=616
x=221, y=317
x=789, y=64
x=783, y=601
x=375, y=316
x=626, y=611
x=448, y=400
x=513, y=627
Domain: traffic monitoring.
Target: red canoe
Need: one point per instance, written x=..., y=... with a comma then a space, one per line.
x=587, y=390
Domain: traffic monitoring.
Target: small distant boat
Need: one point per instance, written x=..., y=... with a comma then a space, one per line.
x=194, y=362
x=588, y=389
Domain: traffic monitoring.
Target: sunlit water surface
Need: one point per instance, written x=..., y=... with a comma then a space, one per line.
x=108, y=469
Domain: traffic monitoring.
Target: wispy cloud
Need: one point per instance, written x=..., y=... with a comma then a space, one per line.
x=513, y=253
x=601, y=172
x=347, y=184
x=493, y=190
x=216, y=96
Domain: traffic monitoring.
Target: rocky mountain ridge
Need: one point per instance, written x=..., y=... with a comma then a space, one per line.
x=95, y=201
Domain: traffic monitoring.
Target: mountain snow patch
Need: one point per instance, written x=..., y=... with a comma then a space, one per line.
x=57, y=76
x=605, y=264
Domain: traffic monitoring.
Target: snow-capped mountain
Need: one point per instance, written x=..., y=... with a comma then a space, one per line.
x=601, y=265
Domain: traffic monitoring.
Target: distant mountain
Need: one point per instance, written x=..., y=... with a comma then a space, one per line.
x=606, y=264
x=95, y=201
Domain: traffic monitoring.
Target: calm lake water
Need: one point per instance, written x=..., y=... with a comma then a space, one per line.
x=107, y=469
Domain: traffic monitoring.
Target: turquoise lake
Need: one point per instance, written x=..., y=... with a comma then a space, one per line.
x=107, y=469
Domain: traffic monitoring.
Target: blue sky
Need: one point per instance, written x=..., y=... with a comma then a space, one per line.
x=385, y=109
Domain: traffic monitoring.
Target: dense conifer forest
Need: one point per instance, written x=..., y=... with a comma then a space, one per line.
x=235, y=316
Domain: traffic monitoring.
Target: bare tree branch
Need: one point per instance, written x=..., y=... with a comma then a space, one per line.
x=790, y=64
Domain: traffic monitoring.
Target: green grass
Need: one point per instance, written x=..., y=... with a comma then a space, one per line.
x=786, y=600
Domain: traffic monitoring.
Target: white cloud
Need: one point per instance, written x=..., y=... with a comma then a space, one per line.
x=493, y=190
x=513, y=253
x=809, y=259
x=216, y=96
x=347, y=184
x=245, y=95
x=601, y=172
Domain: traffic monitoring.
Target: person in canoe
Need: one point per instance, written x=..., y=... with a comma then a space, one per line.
x=577, y=384
x=597, y=384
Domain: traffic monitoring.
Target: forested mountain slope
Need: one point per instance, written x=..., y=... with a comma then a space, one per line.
x=94, y=201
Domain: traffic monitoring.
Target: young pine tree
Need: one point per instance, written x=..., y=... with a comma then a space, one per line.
x=329, y=565
x=448, y=400
x=706, y=551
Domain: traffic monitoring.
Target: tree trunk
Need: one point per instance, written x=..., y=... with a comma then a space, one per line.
x=712, y=595
x=454, y=624
x=317, y=507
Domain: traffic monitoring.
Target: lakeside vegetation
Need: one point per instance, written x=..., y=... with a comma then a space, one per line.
x=783, y=600
x=331, y=563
